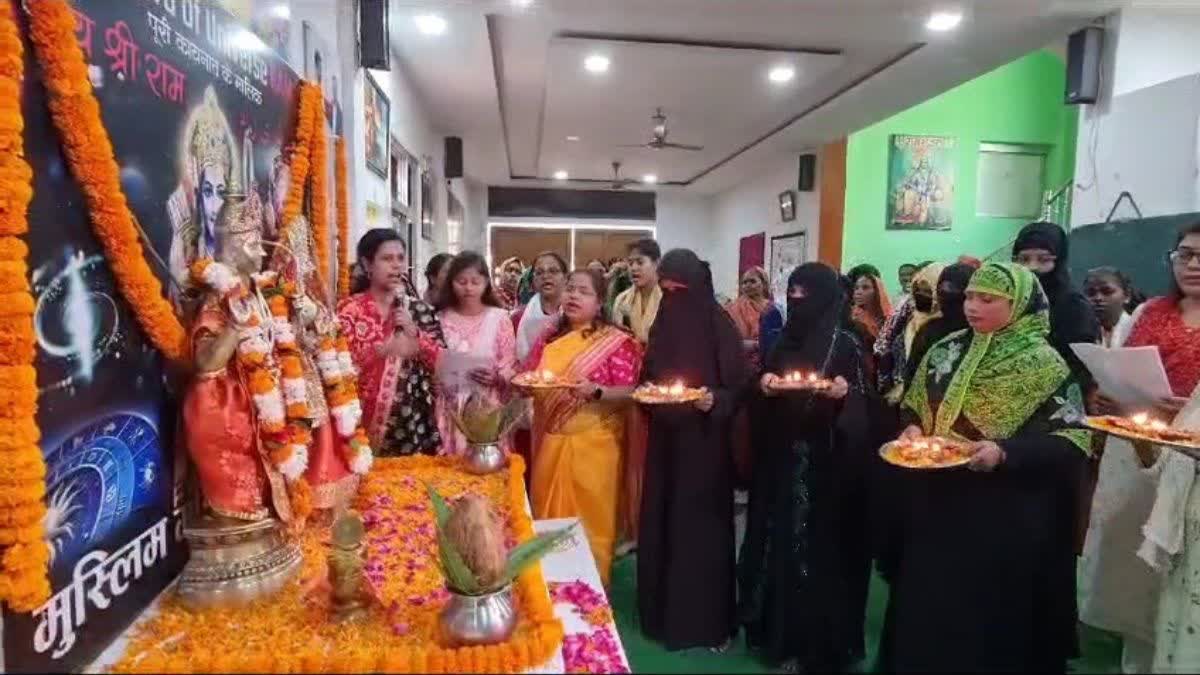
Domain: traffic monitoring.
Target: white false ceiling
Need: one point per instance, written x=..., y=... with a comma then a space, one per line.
x=508, y=76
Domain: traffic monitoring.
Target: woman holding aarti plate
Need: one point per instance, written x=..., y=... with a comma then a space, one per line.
x=587, y=369
x=686, y=594
x=803, y=568
x=981, y=561
x=1133, y=506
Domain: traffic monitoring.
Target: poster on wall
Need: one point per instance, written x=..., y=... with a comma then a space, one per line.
x=191, y=107
x=376, y=111
x=788, y=252
x=920, y=183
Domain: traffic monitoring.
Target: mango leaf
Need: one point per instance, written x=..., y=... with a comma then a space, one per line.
x=441, y=509
x=458, y=576
x=529, y=552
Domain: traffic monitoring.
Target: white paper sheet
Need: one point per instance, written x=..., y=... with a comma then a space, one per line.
x=454, y=368
x=1131, y=376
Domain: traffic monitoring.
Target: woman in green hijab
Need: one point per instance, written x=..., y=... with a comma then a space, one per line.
x=981, y=559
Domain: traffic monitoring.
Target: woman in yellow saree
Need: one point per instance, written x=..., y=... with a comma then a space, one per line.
x=579, y=432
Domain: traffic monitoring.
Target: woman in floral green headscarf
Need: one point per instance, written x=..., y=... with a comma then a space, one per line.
x=981, y=560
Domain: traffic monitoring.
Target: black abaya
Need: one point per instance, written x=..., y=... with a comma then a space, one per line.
x=1072, y=318
x=804, y=566
x=686, y=595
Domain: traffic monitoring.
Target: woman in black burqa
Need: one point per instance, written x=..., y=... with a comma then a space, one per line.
x=686, y=535
x=1043, y=249
x=804, y=569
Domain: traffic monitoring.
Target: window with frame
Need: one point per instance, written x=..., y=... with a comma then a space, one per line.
x=1011, y=180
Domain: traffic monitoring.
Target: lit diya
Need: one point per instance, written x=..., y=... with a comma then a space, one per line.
x=661, y=394
x=1143, y=427
x=928, y=452
x=798, y=381
x=542, y=379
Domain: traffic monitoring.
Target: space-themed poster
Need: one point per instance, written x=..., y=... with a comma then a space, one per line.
x=196, y=105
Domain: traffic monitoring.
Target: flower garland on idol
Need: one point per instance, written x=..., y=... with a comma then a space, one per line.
x=24, y=556
x=270, y=360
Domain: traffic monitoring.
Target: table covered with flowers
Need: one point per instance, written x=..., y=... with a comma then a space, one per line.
x=291, y=632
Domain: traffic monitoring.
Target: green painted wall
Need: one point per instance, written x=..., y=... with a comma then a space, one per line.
x=1021, y=102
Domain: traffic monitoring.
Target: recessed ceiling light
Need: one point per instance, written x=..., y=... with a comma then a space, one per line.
x=281, y=11
x=560, y=175
x=650, y=179
x=522, y=4
x=430, y=24
x=596, y=63
x=781, y=74
x=573, y=139
x=943, y=21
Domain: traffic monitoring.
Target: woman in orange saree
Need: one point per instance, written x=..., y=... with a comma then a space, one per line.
x=754, y=298
x=871, y=304
x=579, y=432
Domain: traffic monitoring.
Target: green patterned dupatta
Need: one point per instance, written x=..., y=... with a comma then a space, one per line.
x=990, y=386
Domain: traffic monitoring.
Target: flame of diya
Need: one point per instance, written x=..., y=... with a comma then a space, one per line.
x=1142, y=420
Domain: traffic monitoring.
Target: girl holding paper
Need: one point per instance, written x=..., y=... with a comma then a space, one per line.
x=477, y=329
x=1120, y=593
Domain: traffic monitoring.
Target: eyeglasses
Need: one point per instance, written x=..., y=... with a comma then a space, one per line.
x=1183, y=256
x=546, y=271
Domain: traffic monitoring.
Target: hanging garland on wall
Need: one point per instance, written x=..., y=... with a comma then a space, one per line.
x=341, y=167
x=89, y=154
x=24, y=584
x=319, y=165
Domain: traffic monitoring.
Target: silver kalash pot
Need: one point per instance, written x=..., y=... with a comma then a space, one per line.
x=477, y=620
x=484, y=458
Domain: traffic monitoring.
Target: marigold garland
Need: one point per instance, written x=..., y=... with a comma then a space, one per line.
x=341, y=170
x=89, y=153
x=24, y=558
x=291, y=633
x=319, y=160
x=301, y=150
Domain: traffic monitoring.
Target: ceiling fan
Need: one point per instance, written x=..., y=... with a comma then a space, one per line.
x=658, y=140
x=619, y=183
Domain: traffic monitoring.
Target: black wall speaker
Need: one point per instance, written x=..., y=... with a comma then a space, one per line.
x=807, y=176
x=454, y=157
x=374, y=50
x=1085, y=53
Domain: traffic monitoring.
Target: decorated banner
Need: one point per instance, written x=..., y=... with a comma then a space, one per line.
x=196, y=107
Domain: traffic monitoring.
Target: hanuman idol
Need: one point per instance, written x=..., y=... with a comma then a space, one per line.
x=274, y=411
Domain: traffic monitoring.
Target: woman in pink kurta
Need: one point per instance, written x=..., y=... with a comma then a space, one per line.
x=474, y=325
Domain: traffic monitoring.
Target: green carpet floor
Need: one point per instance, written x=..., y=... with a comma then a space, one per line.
x=1101, y=651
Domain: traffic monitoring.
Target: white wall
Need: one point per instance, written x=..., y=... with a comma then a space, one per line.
x=753, y=207
x=1142, y=135
x=685, y=221
x=410, y=124
x=1155, y=46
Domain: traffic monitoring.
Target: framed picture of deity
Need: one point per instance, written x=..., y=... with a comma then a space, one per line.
x=377, y=111
x=921, y=179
